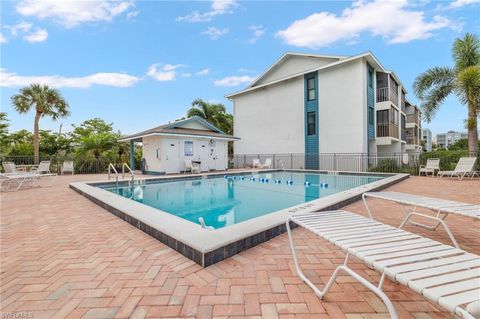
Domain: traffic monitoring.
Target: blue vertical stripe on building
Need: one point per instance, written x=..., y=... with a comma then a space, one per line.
x=311, y=141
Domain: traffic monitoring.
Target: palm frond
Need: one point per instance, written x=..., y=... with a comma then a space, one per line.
x=466, y=51
x=432, y=101
x=468, y=86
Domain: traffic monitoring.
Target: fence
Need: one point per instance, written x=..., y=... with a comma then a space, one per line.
x=81, y=165
x=407, y=162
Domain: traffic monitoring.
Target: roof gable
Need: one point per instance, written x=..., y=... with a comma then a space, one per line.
x=291, y=63
x=194, y=123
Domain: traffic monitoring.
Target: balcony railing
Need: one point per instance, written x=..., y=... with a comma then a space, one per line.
x=384, y=94
x=413, y=118
x=387, y=130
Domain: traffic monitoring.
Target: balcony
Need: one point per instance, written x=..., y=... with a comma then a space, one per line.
x=387, y=130
x=385, y=94
x=413, y=118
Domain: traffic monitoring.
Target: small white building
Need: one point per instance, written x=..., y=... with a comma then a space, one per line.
x=167, y=147
x=317, y=104
x=444, y=140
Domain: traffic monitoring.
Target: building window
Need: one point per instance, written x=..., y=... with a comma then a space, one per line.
x=382, y=117
x=311, y=88
x=188, y=148
x=370, y=78
x=311, y=124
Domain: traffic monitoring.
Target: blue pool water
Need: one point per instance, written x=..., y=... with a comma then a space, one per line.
x=225, y=201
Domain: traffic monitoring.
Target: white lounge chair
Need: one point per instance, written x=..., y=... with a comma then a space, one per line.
x=432, y=165
x=42, y=168
x=191, y=166
x=447, y=276
x=267, y=164
x=465, y=167
x=441, y=207
x=14, y=181
x=256, y=163
x=9, y=168
x=67, y=167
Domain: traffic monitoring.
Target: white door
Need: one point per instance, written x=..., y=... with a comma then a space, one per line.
x=171, y=156
x=221, y=155
x=203, y=154
x=212, y=154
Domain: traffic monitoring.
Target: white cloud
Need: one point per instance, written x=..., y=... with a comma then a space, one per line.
x=8, y=79
x=71, y=13
x=234, y=80
x=203, y=72
x=3, y=39
x=218, y=7
x=462, y=3
x=258, y=32
x=215, y=33
x=132, y=14
x=39, y=35
x=186, y=75
x=390, y=19
x=20, y=27
x=164, y=72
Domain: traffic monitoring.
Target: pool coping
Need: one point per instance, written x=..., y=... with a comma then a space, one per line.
x=206, y=247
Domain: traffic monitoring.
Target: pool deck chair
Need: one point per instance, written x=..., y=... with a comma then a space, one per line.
x=432, y=165
x=191, y=166
x=256, y=163
x=268, y=163
x=67, y=167
x=447, y=276
x=42, y=168
x=465, y=167
x=10, y=168
x=14, y=181
x=442, y=207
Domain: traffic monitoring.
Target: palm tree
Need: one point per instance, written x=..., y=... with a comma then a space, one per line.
x=46, y=101
x=214, y=113
x=463, y=80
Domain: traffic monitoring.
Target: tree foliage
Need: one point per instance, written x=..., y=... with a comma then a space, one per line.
x=463, y=79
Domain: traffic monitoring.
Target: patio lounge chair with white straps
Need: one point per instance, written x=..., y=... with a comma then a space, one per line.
x=267, y=164
x=67, y=167
x=441, y=207
x=14, y=181
x=447, y=276
x=9, y=168
x=42, y=168
x=256, y=163
x=432, y=165
x=465, y=167
x=191, y=166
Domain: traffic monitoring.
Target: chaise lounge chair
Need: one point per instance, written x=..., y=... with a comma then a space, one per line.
x=433, y=164
x=10, y=168
x=67, y=167
x=43, y=168
x=465, y=167
x=256, y=163
x=446, y=276
x=267, y=164
x=439, y=206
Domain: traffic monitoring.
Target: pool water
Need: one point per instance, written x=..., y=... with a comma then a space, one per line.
x=223, y=201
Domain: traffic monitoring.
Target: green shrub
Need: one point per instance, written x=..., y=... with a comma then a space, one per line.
x=388, y=165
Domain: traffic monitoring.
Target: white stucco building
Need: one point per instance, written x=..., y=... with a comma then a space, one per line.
x=444, y=140
x=166, y=147
x=317, y=104
x=427, y=138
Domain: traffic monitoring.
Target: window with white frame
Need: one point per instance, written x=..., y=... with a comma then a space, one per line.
x=188, y=148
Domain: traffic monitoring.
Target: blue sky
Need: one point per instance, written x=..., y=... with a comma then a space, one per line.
x=140, y=64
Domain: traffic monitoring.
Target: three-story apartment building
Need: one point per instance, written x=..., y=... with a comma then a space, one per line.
x=316, y=104
x=413, y=131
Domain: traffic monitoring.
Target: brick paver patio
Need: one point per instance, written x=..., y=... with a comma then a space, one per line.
x=62, y=256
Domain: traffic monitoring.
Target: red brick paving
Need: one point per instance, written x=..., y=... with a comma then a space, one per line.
x=62, y=256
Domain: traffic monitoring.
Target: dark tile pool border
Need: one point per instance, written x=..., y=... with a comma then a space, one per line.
x=211, y=257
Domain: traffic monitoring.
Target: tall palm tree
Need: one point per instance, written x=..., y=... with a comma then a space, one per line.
x=463, y=80
x=46, y=101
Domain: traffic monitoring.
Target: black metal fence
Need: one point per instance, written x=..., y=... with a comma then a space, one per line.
x=408, y=162
x=80, y=165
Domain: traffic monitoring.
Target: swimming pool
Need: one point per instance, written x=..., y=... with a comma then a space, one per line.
x=227, y=200
x=244, y=210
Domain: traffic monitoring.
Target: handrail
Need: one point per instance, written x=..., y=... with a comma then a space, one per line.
x=110, y=166
x=130, y=170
